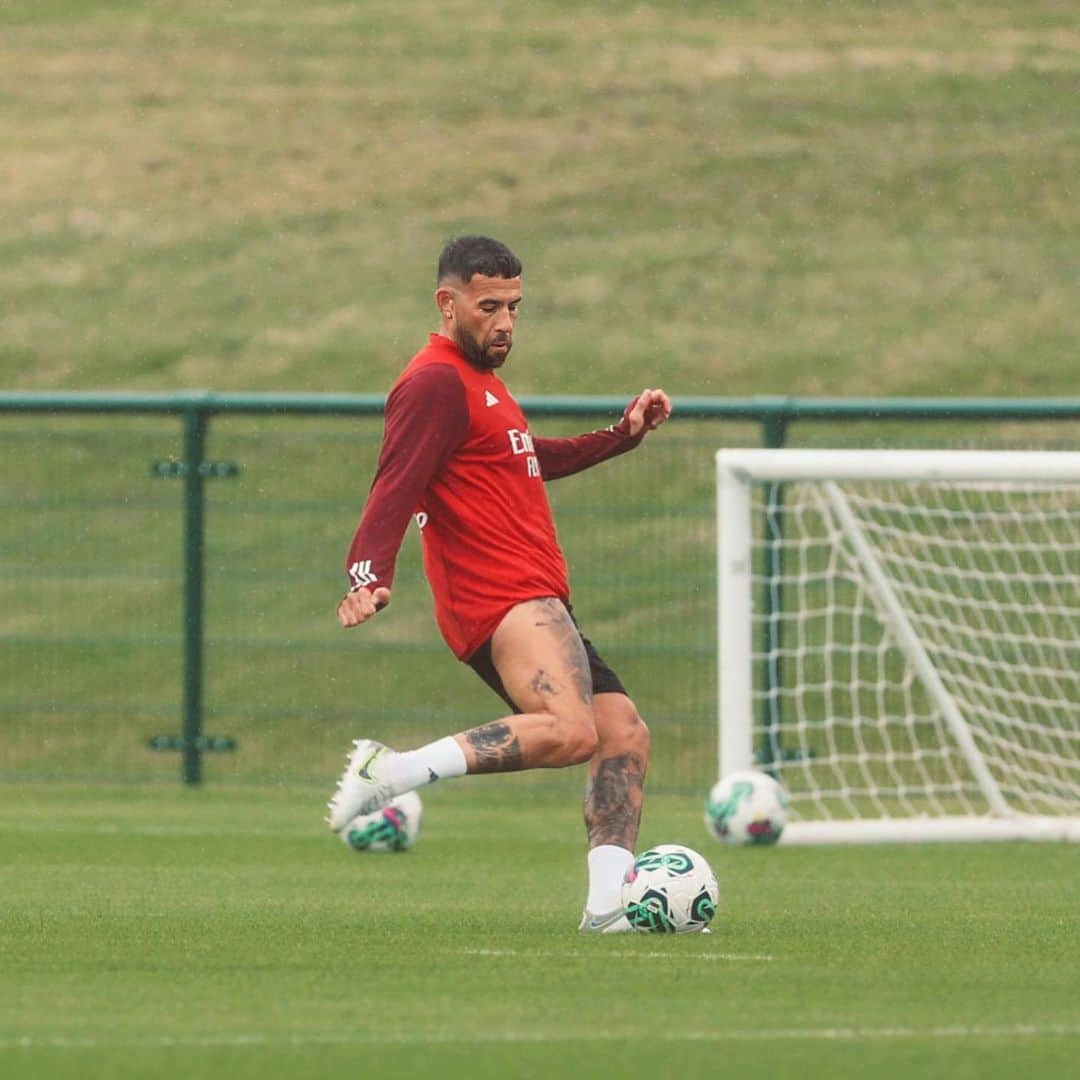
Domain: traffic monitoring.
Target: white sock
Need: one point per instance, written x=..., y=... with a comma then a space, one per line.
x=436, y=761
x=607, y=865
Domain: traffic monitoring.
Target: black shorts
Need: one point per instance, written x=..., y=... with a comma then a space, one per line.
x=604, y=680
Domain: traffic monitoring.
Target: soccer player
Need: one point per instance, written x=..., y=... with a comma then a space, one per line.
x=457, y=453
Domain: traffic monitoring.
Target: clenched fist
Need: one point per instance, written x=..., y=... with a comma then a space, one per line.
x=648, y=411
x=360, y=605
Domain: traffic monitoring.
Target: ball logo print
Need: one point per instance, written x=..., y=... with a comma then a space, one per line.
x=675, y=862
x=703, y=908
x=651, y=913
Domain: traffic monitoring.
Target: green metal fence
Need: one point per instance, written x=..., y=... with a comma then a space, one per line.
x=92, y=566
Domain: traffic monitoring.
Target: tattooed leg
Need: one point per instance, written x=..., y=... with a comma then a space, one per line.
x=614, y=792
x=552, y=616
x=541, y=661
x=496, y=748
x=613, y=798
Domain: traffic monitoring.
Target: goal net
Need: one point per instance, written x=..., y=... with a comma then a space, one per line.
x=899, y=639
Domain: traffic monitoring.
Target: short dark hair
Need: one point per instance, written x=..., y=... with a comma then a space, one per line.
x=465, y=256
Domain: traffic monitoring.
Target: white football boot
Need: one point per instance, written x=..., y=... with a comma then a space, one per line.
x=360, y=790
x=613, y=922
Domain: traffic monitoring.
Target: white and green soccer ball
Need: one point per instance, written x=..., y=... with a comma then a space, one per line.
x=747, y=807
x=670, y=889
x=393, y=828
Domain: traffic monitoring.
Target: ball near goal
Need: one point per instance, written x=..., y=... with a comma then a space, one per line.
x=745, y=808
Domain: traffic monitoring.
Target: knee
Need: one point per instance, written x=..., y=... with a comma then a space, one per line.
x=580, y=740
x=569, y=735
x=623, y=731
x=576, y=734
x=640, y=735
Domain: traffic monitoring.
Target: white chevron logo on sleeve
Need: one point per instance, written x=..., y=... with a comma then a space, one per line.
x=490, y=399
x=360, y=574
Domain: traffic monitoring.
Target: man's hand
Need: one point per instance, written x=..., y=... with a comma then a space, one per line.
x=360, y=605
x=648, y=411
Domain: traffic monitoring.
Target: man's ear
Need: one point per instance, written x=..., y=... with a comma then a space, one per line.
x=444, y=301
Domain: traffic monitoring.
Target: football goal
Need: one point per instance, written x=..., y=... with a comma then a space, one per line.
x=899, y=639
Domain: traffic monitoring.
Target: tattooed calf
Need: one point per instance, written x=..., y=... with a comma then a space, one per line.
x=613, y=800
x=497, y=748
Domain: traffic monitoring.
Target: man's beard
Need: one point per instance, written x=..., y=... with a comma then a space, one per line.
x=476, y=354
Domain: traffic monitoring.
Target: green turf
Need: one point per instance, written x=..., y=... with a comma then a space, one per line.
x=223, y=932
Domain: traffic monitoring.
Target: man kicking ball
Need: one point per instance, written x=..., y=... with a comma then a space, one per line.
x=457, y=453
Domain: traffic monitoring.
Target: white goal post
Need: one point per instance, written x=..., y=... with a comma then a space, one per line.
x=899, y=639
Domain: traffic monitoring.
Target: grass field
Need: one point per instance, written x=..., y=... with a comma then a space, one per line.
x=828, y=197
x=168, y=933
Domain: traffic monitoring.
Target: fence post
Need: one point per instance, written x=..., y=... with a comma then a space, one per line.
x=769, y=751
x=195, y=424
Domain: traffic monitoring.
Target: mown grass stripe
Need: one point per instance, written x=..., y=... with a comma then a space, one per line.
x=358, y=1038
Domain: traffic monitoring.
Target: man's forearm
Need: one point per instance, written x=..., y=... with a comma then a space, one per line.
x=564, y=457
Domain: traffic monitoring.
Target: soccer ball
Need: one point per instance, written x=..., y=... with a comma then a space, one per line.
x=670, y=890
x=747, y=807
x=393, y=828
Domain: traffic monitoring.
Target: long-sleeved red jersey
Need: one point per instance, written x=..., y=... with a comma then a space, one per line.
x=457, y=453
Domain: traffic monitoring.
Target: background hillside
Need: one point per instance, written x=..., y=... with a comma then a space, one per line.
x=816, y=198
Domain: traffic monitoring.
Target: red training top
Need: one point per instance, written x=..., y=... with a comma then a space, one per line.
x=458, y=454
